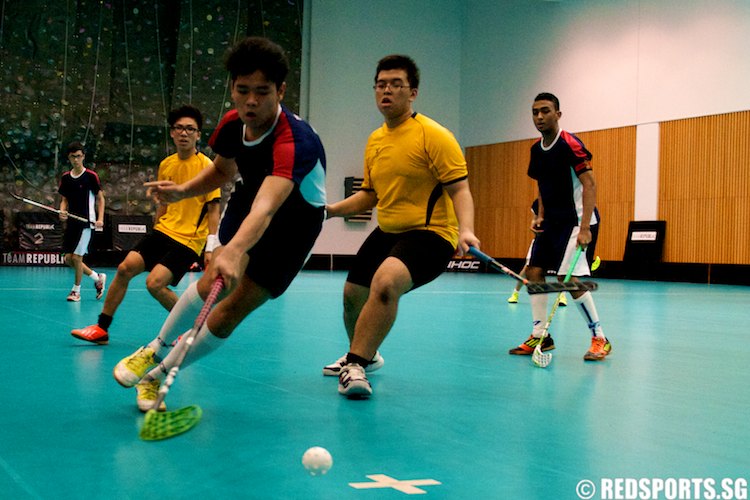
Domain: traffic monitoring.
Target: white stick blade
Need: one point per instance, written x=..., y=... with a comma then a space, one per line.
x=541, y=359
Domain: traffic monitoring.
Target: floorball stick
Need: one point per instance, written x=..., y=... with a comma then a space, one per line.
x=534, y=288
x=543, y=359
x=47, y=207
x=162, y=425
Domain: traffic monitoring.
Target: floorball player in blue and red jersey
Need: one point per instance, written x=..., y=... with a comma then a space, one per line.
x=270, y=222
x=560, y=164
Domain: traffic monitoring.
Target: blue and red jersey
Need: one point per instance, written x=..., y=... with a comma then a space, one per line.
x=290, y=149
x=556, y=169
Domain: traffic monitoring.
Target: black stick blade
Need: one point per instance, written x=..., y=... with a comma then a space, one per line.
x=557, y=287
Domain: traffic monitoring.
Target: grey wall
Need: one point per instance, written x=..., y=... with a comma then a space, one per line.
x=612, y=63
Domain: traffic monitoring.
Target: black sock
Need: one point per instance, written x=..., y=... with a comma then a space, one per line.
x=353, y=358
x=104, y=322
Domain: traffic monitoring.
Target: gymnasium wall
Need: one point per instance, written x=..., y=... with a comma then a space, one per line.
x=703, y=190
x=503, y=193
x=623, y=67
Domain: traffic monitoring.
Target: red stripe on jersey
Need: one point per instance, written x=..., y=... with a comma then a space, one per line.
x=574, y=144
x=578, y=150
x=96, y=176
x=283, y=150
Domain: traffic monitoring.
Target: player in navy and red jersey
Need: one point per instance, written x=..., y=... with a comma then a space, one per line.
x=560, y=164
x=270, y=222
x=82, y=195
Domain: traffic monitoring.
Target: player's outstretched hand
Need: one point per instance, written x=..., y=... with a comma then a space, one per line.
x=163, y=192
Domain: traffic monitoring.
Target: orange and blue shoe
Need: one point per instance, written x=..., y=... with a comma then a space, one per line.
x=93, y=333
x=527, y=348
x=600, y=349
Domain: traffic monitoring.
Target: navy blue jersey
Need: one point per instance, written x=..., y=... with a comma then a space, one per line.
x=290, y=149
x=556, y=169
x=81, y=194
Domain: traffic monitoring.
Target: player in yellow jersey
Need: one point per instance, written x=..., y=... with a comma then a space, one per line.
x=181, y=229
x=416, y=176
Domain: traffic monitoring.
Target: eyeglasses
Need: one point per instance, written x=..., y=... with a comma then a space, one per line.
x=188, y=130
x=77, y=155
x=395, y=86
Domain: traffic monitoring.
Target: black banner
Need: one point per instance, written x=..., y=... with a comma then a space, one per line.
x=39, y=231
x=127, y=230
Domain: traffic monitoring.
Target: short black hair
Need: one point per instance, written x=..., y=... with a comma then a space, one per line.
x=185, y=111
x=547, y=96
x=73, y=147
x=398, y=61
x=256, y=53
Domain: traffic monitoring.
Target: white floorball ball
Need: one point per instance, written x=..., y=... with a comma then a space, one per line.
x=317, y=461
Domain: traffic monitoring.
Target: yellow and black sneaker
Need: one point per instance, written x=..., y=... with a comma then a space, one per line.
x=527, y=348
x=595, y=265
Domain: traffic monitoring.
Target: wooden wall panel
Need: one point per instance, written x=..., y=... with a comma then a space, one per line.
x=503, y=192
x=704, y=177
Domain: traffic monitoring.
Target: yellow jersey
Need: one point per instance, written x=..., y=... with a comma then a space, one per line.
x=185, y=221
x=407, y=167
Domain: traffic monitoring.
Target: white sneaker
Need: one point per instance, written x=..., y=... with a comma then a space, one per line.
x=99, y=285
x=334, y=368
x=353, y=382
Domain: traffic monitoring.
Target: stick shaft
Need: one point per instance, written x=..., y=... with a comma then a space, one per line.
x=184, y=346
x=47, y=207
x=497, y=265
x=556, y=305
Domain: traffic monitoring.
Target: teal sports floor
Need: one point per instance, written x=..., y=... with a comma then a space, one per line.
x=453, y=415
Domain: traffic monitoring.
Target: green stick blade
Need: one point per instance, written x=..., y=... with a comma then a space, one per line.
x=166, y=424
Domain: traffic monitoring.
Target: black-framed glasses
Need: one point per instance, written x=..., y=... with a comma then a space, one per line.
x=395, y=86
x=189, y=130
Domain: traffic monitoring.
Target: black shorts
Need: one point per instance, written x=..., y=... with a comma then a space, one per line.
x=553, y=249
x=73, y=238
x=424, y=253
x=158, y=248
x=282, y=251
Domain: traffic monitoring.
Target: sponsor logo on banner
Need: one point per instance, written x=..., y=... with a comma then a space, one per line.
x=132, y=228
x=643, y=236
x=463, y=265
x=37, y=226
x=38, y=259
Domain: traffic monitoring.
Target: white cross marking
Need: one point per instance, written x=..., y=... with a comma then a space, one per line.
x=406, y=486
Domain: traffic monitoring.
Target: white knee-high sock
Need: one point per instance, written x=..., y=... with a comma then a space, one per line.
x=587, y=309
x=180, y=319
x=538, y=313
x=203, y=343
